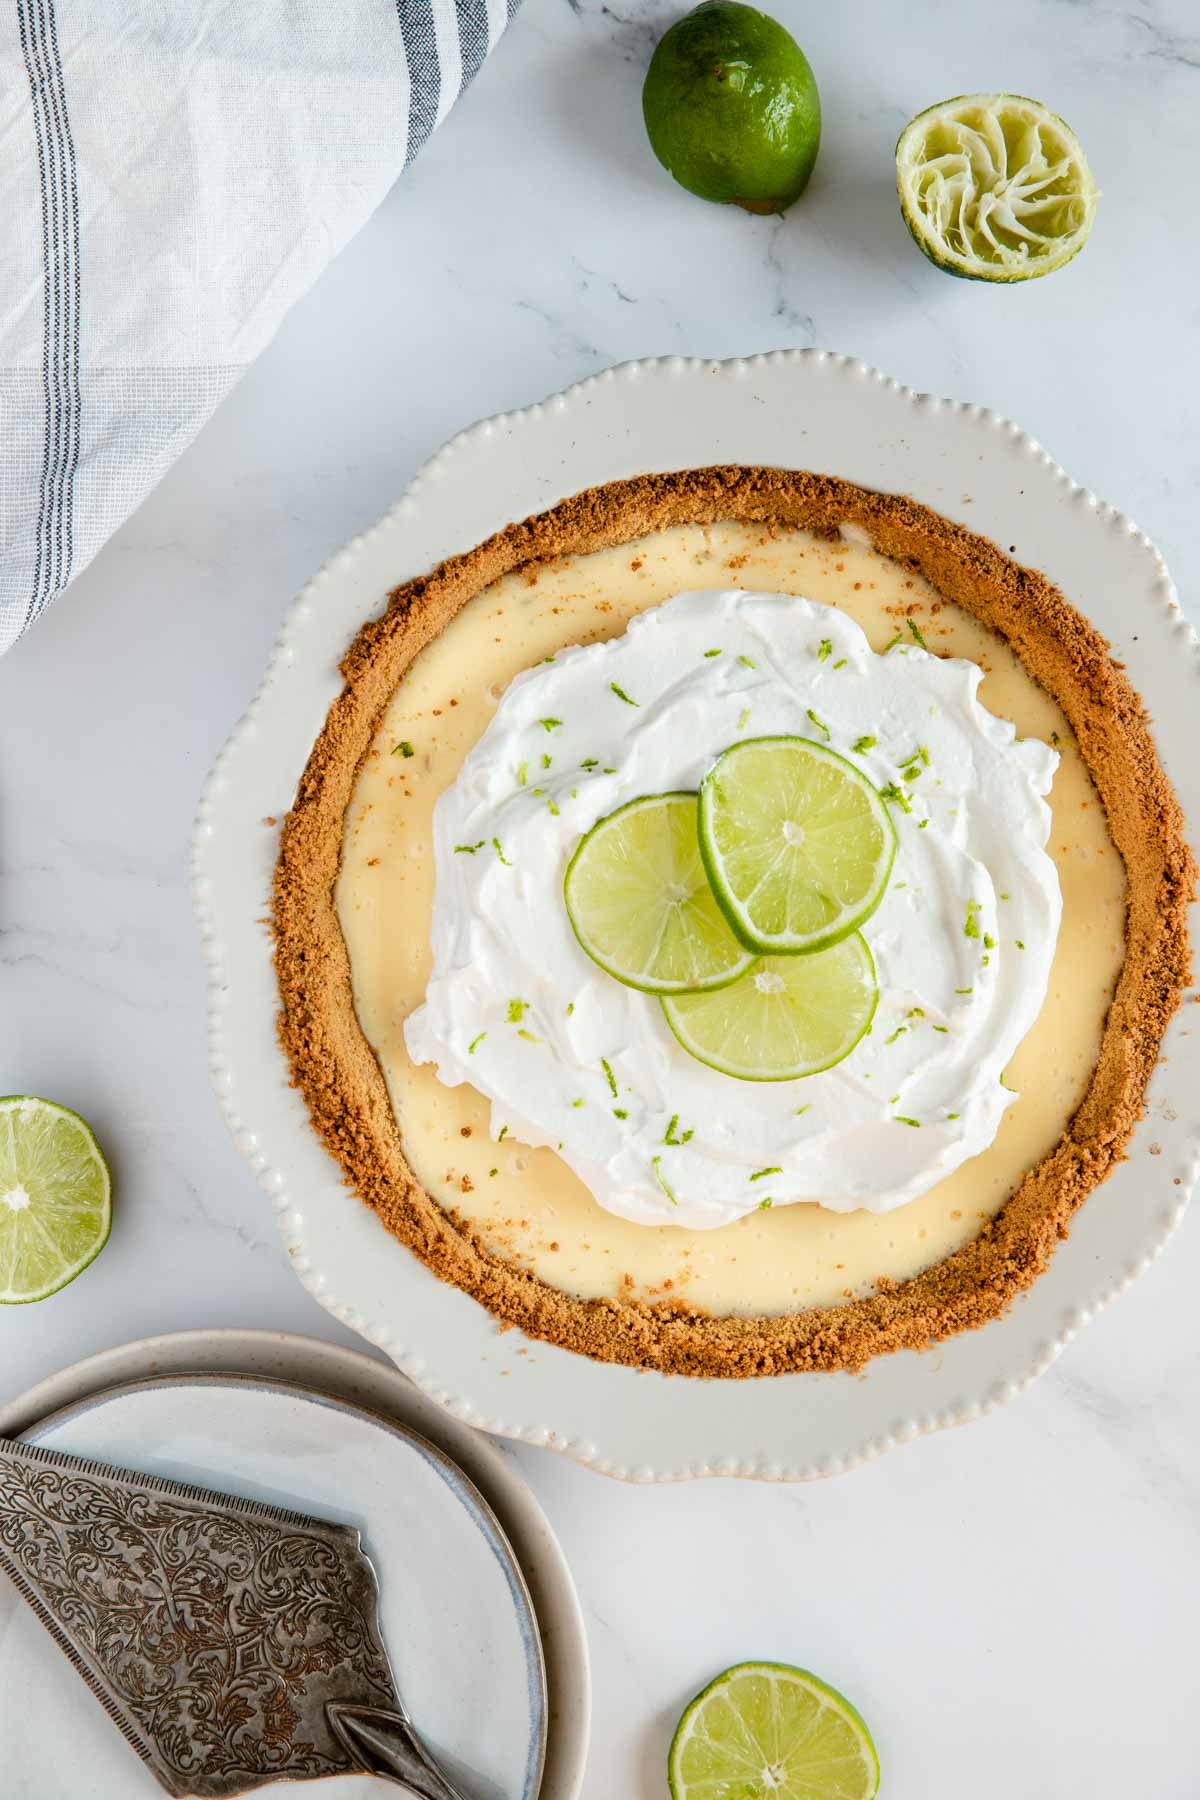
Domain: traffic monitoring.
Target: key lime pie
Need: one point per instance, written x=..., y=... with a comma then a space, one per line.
x=728, y=922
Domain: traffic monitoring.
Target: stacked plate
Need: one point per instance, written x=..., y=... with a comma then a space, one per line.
x=478, y=1610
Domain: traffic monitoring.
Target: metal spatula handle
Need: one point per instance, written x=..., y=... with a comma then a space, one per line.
x=384, y=1743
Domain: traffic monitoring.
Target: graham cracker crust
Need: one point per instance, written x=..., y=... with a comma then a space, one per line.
x=335, y=1068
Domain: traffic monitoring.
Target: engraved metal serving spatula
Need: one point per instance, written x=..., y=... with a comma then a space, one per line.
x=231, y=1643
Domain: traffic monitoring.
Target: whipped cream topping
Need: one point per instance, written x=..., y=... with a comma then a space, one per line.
x=963, y=940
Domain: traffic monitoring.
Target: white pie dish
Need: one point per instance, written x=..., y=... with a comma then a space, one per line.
x=794, y=409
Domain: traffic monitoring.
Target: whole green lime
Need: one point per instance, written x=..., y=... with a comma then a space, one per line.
x=732, y=109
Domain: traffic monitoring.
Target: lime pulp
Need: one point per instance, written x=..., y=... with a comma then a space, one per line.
x=766, y=1731
x=995, y=187
x=788, y=1017
x=640, y=905
x=797, y=843
x=55, y=1198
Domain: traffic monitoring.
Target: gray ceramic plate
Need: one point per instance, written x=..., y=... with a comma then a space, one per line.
x=456, y=1611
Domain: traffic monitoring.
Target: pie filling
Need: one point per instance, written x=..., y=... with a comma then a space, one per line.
x=964, y=941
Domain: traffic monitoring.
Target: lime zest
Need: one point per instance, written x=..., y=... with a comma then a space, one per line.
x=475, y=1042
x=747, y=662
x=664, y=1184
x=468, y=849
x=744, y=719
x=916, y=631
x=619, y=1112
x=898, y=639
x=863, y=744
x=590, y=762
x=522, y=773
x=712, y=653
x=517, y=1010
x=897, y=796
x=760, y=1174
x=404, y=748
x=528, y=1036
x=802, y=1109
x=971, y=924
x=496, y=846
x=609, y=1076
x=824, y=649
x=820, y=724
x=901, y=1120
x=622, y=695
x=502, y=1134
x=841, y=662
x=550, y=724
x=547, y=759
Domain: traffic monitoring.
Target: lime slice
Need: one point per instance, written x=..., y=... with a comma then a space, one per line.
x=764, y=1731
x=640, y=904
x=995, y=187
x=55, y=1198
x=797, y=843
x=791, y=1016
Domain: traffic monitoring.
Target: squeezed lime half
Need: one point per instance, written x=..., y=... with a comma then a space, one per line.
x=995, y=187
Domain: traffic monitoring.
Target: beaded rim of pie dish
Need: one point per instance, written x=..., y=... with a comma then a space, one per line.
x=336, y=1071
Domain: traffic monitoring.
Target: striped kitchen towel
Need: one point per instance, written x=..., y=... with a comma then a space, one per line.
x=174, y=174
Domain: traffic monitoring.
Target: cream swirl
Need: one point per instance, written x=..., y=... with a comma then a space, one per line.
x=963, y=941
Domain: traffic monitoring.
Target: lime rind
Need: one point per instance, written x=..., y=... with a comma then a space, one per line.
x=731, y=108
x=995, y=187
x=640, y=904
x=747, y=800
x=770, y=1731
x=55, y=1198
x=814, y=1013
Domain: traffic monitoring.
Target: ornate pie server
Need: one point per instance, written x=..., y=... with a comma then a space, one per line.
x=231, y=1643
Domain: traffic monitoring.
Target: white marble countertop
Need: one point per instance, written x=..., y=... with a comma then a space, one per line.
x=1011, y=1605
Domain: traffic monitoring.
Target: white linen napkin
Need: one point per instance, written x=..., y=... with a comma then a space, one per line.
x=174, y=174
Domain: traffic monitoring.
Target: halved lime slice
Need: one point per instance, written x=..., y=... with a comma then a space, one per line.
x=791, y=1016
x=797, y=843
x=765, y=1731
x=995, y=187
x=55, y=1198
x=640, y=904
